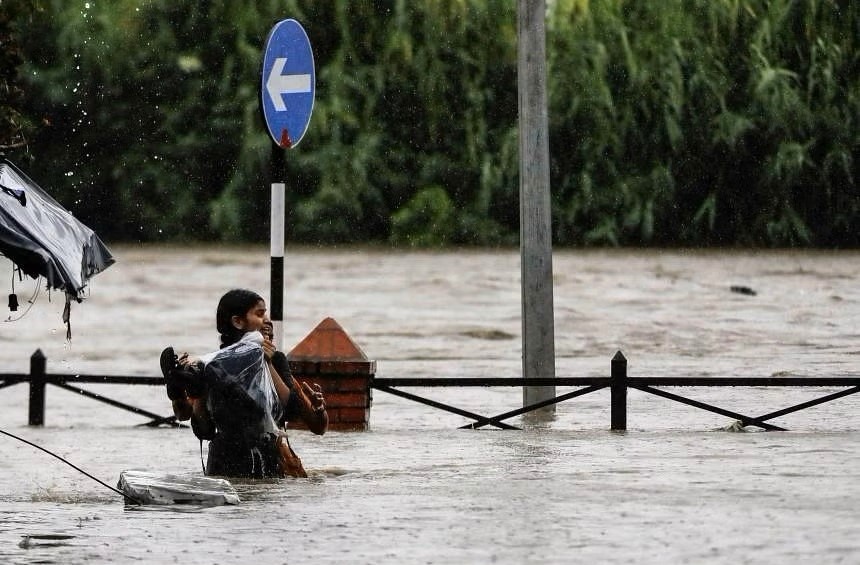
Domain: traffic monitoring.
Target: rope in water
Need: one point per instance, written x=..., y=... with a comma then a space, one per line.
x=125, y=495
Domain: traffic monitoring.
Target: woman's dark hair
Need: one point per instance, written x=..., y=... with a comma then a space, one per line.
x=235, y=302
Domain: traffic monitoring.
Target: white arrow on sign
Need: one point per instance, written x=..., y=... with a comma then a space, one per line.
x=279, y=84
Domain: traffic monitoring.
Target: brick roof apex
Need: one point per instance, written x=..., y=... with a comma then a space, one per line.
x=327, y=342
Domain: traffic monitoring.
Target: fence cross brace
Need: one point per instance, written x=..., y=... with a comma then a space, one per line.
x=745, y=420
x=504, y=416
x=821, y=400
x=453, y=409
x=156, y=420
x=760, y=421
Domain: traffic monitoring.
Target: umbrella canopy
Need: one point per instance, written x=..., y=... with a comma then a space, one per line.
x=43, y=239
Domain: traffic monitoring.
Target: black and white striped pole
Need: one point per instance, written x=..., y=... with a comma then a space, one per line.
x=276, y=243
x=287, y=100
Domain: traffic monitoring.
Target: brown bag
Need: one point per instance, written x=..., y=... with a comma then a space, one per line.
x=289, y=462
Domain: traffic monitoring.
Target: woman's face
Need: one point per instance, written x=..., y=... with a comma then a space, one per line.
x=255, y=318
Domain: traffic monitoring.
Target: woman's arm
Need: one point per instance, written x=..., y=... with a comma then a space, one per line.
x=277, y=363
x=281, y=387
x=310, y=401
x=202, y=423
x=311, y=406
x=182, y=408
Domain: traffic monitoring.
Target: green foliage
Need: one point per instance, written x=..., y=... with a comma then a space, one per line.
x=15, y=125
x=411, y=94
x=692, y=122
x=426, y=220
x=705, y=122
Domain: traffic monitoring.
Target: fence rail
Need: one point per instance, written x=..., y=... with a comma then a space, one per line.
x=618, y=382
x=38, y=378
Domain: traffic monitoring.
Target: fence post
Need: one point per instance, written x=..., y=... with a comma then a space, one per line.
x=37, y=389
x=618, y=388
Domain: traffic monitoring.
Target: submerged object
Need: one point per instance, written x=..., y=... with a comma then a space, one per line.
x=740, y=289
x=44, y=540
x=149, y=488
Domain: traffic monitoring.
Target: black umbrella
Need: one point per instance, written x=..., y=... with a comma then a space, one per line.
x=43, y=239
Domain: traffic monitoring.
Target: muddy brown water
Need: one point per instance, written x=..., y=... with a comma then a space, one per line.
x=675, y=488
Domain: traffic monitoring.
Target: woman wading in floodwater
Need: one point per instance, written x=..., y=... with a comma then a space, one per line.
x=241, y=396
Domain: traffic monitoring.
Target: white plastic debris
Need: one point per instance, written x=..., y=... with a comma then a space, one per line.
x=149, y=488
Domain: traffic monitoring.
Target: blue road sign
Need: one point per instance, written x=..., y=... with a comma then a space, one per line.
x=288, y=83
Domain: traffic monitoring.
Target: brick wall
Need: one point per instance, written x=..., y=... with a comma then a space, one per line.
x=329, y=357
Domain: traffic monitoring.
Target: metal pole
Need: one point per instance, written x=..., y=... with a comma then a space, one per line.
x=276, y=301
x=535, y=213
x=37, y=389
x=618, y=392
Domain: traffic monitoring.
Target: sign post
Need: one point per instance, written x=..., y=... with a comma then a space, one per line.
x=287, y=100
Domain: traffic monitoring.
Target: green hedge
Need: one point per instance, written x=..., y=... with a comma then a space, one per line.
x=678, y=122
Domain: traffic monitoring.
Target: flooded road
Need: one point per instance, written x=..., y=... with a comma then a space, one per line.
x=675, y=488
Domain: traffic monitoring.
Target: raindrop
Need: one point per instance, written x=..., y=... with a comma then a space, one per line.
x=70, y=173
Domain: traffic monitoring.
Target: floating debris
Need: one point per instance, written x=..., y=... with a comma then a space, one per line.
x=151, y=488
x=743, y=290
x=488, y=334
x=736, y=426
x=43, y=540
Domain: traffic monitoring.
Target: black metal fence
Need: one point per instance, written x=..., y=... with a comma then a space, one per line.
x=618, y=383
x=39, y=378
